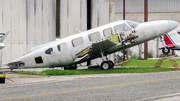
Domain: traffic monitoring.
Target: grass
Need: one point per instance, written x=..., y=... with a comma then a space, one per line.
x=98, y=71
x=140, y=66
x=149, y=63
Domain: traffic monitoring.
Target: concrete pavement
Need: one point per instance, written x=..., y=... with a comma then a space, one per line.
x=140, y=91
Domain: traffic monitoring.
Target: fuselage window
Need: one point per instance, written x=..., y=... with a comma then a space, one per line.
x=107, y=32
x=121, y=28
x=94, y=36
x=49, y=51
x=62, y=47
x=77, y=42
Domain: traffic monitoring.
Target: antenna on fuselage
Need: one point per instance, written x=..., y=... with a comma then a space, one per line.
x=78, y=30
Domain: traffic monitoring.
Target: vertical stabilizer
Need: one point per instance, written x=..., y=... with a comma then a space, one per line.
x=3, y=36
x=167, y=40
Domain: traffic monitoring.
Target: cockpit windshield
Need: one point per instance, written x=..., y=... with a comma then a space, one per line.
x=132, y=24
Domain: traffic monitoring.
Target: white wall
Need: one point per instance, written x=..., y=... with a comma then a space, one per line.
x=30, y=22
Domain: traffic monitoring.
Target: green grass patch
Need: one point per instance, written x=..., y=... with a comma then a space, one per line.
x=149, y=63
x=98, y=71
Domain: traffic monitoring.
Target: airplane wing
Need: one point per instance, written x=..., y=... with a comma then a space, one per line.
x=95, y=49
x=3, y=37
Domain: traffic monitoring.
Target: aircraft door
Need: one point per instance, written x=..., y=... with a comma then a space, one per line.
x=65, y=58
x=50, y=57
x=64, y=55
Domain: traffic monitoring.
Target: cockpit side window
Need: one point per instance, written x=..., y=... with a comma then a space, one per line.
x=121, y=28
x=49, y=51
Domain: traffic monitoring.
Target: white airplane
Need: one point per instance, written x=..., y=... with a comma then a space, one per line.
x=2, y=37
x=172, y=41
x=97, y=42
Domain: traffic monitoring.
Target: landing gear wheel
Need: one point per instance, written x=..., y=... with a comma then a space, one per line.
x=166, y=50
x=74, y=67
x=105, y=65
x=71, y=67
x=111, y=63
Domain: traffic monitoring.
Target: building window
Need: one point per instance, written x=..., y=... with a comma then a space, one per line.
x=94, y=36
x=49, y=51
x=77, y=42
x=107, y=32
x=62, y=47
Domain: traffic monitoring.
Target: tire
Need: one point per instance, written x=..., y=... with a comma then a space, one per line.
x=111, y=63
x=166, y=50
x=74, y=67
x=105, y=65
x=70, y=68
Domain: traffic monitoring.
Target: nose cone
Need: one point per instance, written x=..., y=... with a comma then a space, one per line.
x=173, y=24
x=2, y=46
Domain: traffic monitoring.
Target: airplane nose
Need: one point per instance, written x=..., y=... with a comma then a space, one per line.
x=173, y=24
x=2, y=46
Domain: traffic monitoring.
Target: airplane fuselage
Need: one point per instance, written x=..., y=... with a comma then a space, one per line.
x=63, y=52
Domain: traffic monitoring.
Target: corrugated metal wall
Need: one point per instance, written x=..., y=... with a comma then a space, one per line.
x=73, y=15
x=103, y=12
x=155, y=6
x=30, y=22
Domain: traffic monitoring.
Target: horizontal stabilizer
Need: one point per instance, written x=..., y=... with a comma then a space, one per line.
x=12, y=63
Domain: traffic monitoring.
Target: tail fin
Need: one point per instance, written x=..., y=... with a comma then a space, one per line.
x=167, y=40
x=3, y=36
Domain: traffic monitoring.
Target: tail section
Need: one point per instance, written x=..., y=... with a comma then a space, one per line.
x=3, y=36
x=168, y=40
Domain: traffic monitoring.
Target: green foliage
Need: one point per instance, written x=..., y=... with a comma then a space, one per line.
x=149, y=63
x=98, y=71
x=150, y=55
x=134, y=57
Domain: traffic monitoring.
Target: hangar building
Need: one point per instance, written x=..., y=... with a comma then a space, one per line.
x=34, y=22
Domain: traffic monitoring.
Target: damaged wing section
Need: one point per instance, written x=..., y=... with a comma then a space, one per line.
x=105, y=45
x=94, y=50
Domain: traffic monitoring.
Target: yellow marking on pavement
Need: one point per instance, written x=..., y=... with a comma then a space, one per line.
x=90, y=88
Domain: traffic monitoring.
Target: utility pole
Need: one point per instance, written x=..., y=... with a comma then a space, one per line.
x=88, y=22
x=123, y=19
x=145, y=20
